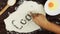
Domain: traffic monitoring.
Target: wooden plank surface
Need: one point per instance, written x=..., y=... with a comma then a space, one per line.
x=12, y=9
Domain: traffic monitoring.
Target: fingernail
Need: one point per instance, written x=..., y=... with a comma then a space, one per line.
x=32, y=14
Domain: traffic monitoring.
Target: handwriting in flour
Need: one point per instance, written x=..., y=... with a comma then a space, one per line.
x=22, y=21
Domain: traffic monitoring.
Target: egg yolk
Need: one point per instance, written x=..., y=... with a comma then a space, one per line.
x=51, y=4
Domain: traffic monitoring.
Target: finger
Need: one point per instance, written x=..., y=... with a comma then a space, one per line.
x=35, y=14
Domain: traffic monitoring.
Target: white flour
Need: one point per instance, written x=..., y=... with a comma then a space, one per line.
x=21, y=21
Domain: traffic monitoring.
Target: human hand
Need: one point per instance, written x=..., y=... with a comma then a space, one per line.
x=38, y=18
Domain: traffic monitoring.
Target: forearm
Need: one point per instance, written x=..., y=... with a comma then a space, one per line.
x=51, y=27
x=48, y=26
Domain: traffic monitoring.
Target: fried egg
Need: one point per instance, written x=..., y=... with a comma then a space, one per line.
x=52, y=7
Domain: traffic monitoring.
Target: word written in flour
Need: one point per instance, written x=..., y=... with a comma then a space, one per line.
x=22, y=21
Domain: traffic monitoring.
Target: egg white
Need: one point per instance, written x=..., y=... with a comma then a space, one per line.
x=55, y=10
